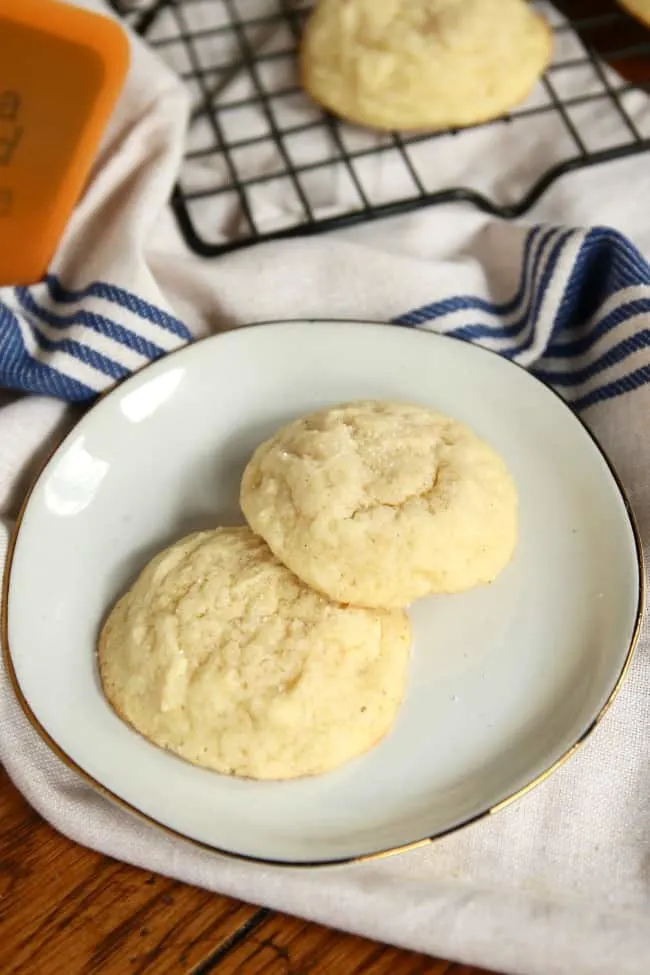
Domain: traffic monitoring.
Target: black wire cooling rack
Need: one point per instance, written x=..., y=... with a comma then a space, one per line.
x=263, y=162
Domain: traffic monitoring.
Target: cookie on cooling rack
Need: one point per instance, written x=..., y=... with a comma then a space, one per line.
x=378, y=503
x=220, y=654
x=422, y=64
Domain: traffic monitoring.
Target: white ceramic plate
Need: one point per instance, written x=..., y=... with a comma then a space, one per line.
x=504, y=681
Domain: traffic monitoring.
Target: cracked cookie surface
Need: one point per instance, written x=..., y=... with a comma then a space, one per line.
x=220, y=654
x=378, y=503
x=422, y=64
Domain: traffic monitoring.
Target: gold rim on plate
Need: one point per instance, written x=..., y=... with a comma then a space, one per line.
x=342, y=861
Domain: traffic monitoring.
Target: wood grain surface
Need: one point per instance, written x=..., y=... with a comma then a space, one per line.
x=67, y=911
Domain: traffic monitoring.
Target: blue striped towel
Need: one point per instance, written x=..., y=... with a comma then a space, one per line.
x=577, y=317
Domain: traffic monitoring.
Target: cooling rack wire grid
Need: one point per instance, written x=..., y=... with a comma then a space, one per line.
x=263, y=161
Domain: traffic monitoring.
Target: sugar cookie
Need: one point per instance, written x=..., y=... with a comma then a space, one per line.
x=221, y=655
x=422, y=64
x=378, y=503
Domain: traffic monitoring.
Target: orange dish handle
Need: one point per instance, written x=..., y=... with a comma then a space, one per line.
x=61, y=71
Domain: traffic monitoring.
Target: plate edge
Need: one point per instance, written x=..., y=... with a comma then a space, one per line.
x=97, y=786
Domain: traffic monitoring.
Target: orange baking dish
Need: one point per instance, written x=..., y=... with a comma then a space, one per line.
x=61, y=71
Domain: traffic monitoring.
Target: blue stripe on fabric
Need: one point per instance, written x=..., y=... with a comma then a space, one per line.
x=81, y=352
x=428, y=313
x=474, y=332
x=90, y=357
x=19, y=370
x=618, y=316
x=626, y=384
x=118, y=296
x=544, y=284
x=618, y=353
x=607, y=263
x=98, y=323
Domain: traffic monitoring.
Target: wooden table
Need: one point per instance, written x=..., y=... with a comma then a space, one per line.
x=67, y=911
